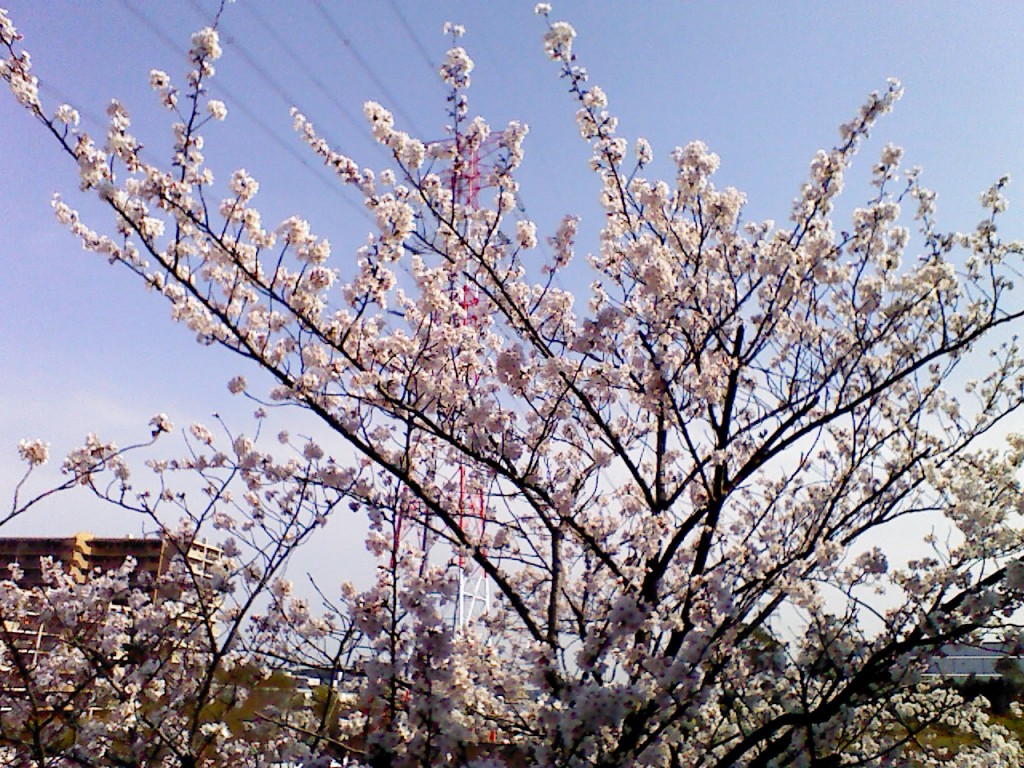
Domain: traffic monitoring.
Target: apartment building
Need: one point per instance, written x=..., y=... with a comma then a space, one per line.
x=29, y=634
x=84, y=553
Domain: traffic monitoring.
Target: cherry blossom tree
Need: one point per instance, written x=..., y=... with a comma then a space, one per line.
x=175, y=668
x=690, y=467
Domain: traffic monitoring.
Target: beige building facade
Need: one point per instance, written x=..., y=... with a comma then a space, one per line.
x=83, y=553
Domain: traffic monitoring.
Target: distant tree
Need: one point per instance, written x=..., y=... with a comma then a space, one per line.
x=691, y=466
x=1000, y=691
x=1009, y=668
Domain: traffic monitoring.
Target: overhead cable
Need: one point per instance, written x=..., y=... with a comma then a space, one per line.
x=413, y=36
x=256, y=119
x=358, y=124
x=393, y=102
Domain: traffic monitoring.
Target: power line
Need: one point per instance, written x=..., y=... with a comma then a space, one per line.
x=284, y=94
x=365, y=67
x=415, y=38
x=87, y=115
x=256, y=119
x=359, y=125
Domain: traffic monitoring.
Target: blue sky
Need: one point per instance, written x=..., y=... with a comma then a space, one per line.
x=82, y=347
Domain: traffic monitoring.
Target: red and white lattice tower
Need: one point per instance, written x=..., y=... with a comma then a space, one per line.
x=469, y=174
x=471, y=170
